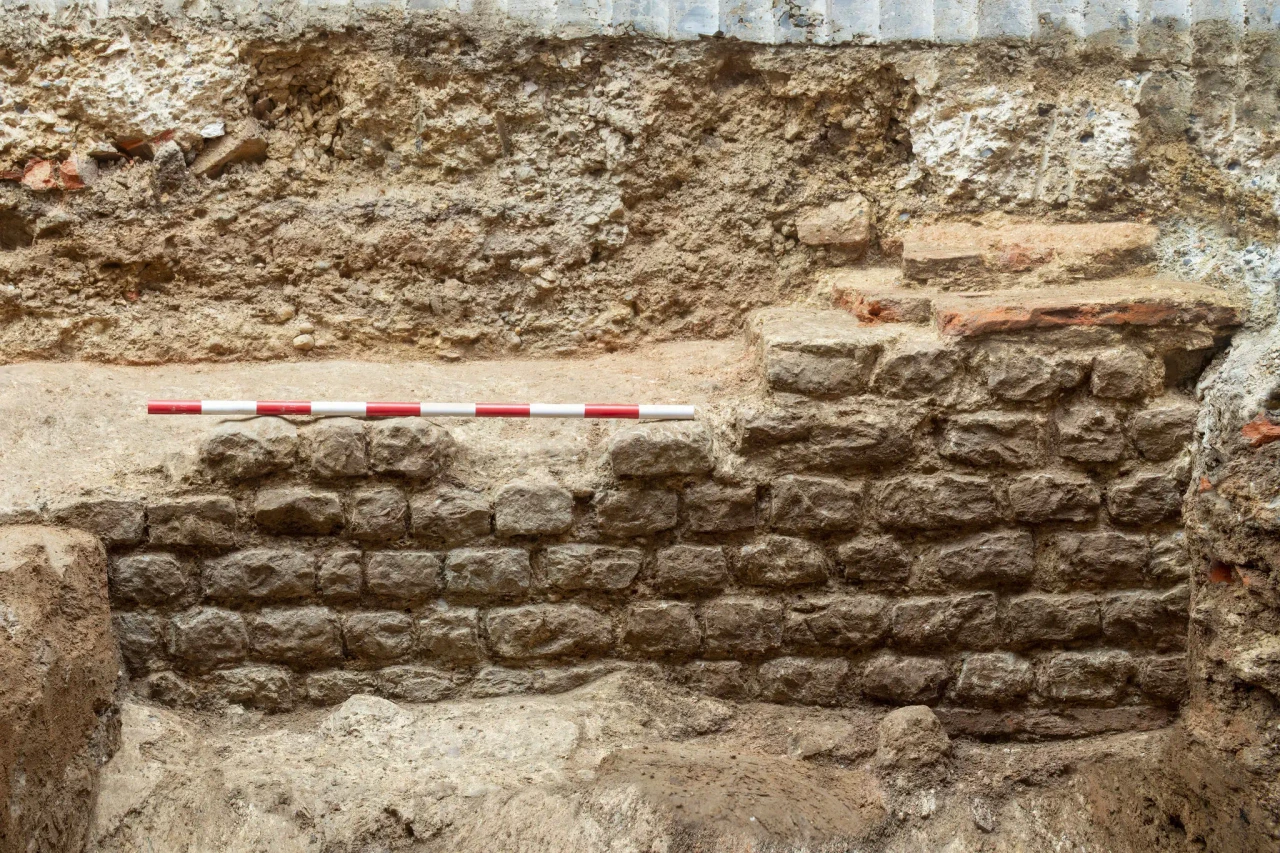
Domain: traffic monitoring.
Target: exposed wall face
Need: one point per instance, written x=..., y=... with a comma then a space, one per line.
x=967, y=501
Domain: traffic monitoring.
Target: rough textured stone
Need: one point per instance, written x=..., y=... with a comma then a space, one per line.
x=727, y=679
x=451, y=634
x=196, y=522
x=301, y=637
x=837, y=622
x=738, y=626
x=1164, y=677
x=378, y=514
x=782, y=561
x=1164, y=430
x=207, y=637
x=690, y=569
x=150, y=579
x=636, y=512
x=339, y=577
x=269, y=688
x=936, y=502
x=844, y=224
x=532, y=508
x=241, y=450
x=116, y=522
x=967, y=621
x=335, y=686
x=799, y=503
x=1053, y=496
x=759, y=428
x=661, y=449
x=547, y=631
x=1125, y=373
x=336, y=447
x=1050, y=620
x=1088, y=432
x=903, y=679
x=259, y=575
x=488, y=572
x=713, y=508
x=1023, y=375
x=298, y=510
x=661, y=628
x=1143, y=498
x=997, y=678
x=141, y=638
x=410, y=683
x=1100, y=558
x=991, y=438
x=1086, y=677
x=379, y=636
x=412, y=447
x=451, y=516
x=911, y=738
x=504, y=681
x=1169, y=558
x=403, y=577
x=874, y=560
x=807, y=681
x=996, y=559
x=916, y=369
x=578, y=566
x=1156, y=620
x=823, y=375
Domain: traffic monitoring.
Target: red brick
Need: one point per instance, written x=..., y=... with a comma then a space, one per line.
x=1013, y=311
x=40, y=175
x=1260, y=431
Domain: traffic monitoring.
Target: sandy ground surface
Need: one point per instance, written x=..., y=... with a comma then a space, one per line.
x=622, y=764
x=67, y=428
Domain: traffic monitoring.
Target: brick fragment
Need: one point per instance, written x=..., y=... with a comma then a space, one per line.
x=1125, y=373
x=1025, y=310
x=79, y=171
x=905, y=680
x=1053, y=496
x=451, y=516
x=580, y=566
x=451, y=634
x=636, y=512
x=194, y=522
x=207, y=637
x=661, y=449
x=994, y=559
x=874, y=560
x=883, y=304
x=936, y=502
x=1043, y=620
x=713, y=508
x=339, y=577
x=403, y=577
x=690, y=569
x=996, y=678
x=852, y=622
x=40, y=175
x=299, y=510
x=548, y=631
x=116, y=522
x=661, y=628
x=1145, y=498
x=532, y=508
x=991, y=439
x=378, y=514
x=336, y=447
x=1156, y=620
x=411, y=447
x=259, y=575
x=806, y=681
x=965, y=621
x=492, y=573
x=1088, y=432
x=150, y=579
x=301, y=637
x=243, y=450
x=379, y=636
x=1093, y=678
x=736, y=626
x=782, y=561
x=1164, y=430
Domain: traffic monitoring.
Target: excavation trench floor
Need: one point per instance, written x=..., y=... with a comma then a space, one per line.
x=622, y=764
x=69, y=428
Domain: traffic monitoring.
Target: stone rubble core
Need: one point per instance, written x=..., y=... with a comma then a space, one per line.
x=916, y=505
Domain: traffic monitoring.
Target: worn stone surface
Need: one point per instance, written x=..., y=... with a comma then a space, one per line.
x=450, y=515
x=661, y=450
x=336, y=447
x=305, y=637
x=259, y=575
x=150, y=579
x=1100, y=558
x=837, y=622
x=799, y=503
x=782, y=561
x=242, y=450
x=1053, y=496
x=997, y=678
x=1125, y=373
x=1023, y=374
x=1144, y=498
x=713, y=508
x=991, y=438
x=690, y=569
x=377, y=514
x=548, y=631
x=984, y=560
x=846, y=224
x=202, y=521
x=402, y=577
x=532, y=507
x=636, y=512
x=1085, y=677
x=874, y=560
x=1163, y=430
x=115, y=521
x=207, y=637
x=378, y=637
x=270, y=688
x=968, y=621
x=495, y=572
x=340, y=577
x=935, y=502
x=901, y=679
x=1088, y=432
x=661, y=628
x=298, y=510
x=577, y=566
x=807, y=681
x=412, y=447
x=735, y=626
x=451, y=634
x=912, y=737
x=1044, y=620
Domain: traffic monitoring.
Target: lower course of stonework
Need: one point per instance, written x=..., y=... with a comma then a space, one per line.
x=984, y=522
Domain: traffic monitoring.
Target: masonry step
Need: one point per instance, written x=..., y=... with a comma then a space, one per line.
x=974, y=255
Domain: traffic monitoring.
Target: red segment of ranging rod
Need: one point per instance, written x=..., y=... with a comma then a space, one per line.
x=317, y=408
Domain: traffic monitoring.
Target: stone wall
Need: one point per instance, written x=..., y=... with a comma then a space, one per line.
x=978, y=510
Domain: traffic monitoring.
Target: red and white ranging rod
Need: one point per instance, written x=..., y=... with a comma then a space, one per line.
x=426, y=410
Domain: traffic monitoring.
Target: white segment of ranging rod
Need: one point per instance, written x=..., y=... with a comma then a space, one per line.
x=318, y=408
